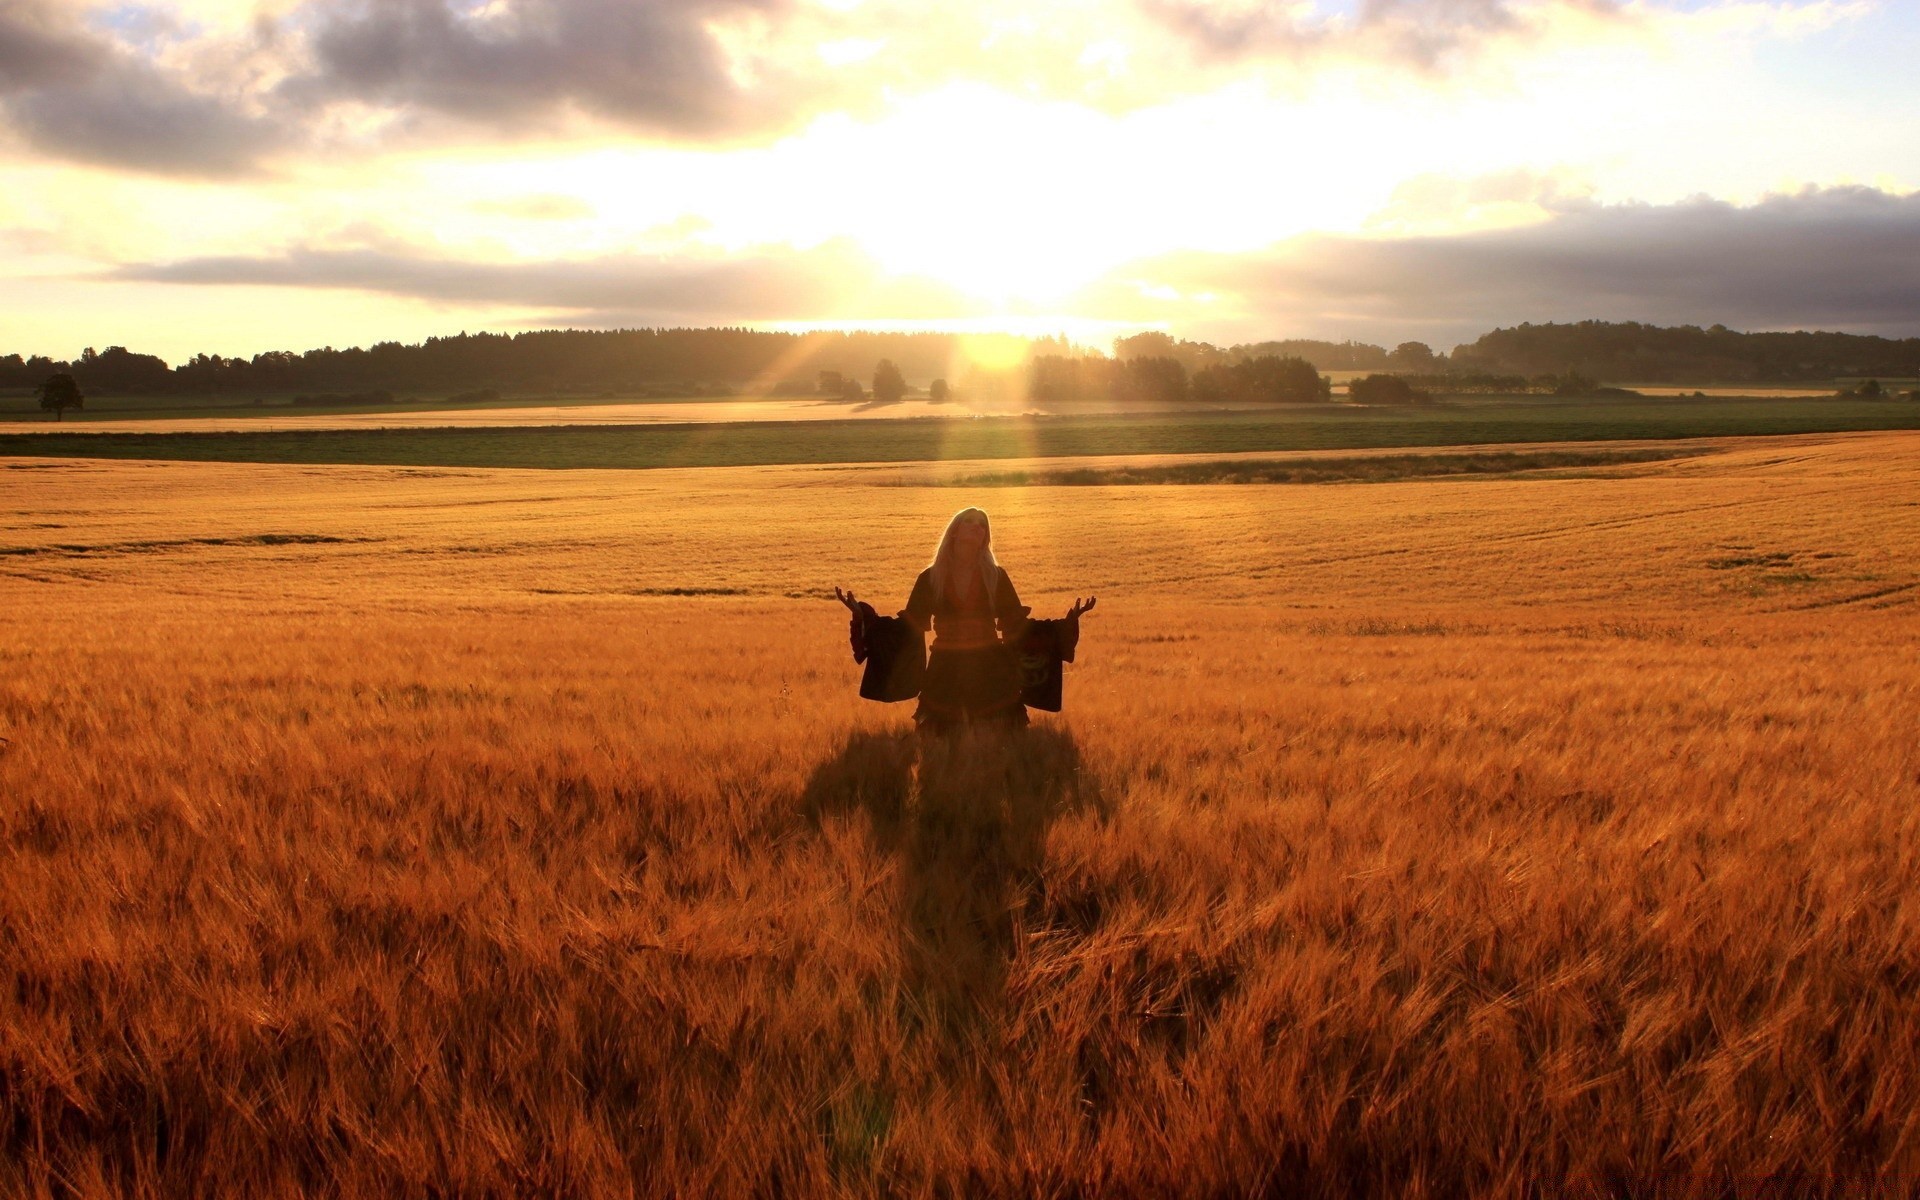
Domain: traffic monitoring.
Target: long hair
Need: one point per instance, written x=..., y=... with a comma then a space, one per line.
x=943, y=565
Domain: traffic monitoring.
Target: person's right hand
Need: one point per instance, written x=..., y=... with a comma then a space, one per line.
x=846, y=598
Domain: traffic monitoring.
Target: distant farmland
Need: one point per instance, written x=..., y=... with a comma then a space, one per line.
x=1317, y=427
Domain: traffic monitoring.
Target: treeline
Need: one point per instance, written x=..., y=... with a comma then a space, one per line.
x=1159, y=368
x=1631, y=352
x=1152, y=366
x=685, y=360
x=1325, y=356
x=543, y=361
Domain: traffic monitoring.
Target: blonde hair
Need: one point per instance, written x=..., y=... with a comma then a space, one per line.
x=942, y=566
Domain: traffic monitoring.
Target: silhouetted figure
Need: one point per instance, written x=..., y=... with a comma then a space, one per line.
x=988, y=662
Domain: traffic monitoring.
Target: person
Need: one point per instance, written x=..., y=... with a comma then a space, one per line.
x=967, y=601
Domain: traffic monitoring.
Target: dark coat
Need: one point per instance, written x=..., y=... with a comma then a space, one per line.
x=895, y=652
x=1043, y=647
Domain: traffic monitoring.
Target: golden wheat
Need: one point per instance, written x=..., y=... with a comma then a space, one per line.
x=388, y=832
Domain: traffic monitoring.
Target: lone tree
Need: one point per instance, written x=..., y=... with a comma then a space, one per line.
x=888, y=384
x=939, y=392
x=60, y=393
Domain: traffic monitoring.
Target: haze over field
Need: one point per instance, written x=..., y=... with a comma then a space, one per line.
x=243, y=175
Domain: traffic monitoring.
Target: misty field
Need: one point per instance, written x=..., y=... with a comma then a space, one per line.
x=383, y=831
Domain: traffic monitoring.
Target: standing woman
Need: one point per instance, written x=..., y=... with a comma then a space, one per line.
x=976, y=618
x=974, y=672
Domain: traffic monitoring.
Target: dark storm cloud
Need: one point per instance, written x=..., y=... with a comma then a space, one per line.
x=1840, y=258
x=71, y=93
x=647, y=63
x=1423, y=33
x=139, y=119
x=771, y=285
x=39, y=47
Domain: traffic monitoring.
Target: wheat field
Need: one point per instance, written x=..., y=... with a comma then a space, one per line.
x=397, y=832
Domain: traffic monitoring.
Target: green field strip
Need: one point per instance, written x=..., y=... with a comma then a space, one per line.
x=937, y=439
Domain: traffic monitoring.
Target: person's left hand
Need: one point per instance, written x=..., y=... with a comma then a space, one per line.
x=846, y=598
x=1081, y=606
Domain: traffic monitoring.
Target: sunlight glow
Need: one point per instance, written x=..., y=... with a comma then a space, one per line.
x=991, y=168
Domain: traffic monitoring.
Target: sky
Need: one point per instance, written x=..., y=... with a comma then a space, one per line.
x=233, y=176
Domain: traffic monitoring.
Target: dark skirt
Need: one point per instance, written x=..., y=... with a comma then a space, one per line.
x=970, y=687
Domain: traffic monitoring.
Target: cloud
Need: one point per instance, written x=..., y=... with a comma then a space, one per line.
x=38, y=46
x=655, y=65
x=75, y=94
x=1843, y=258
x=827, y=282
x=704, y=71
x=140, y=119
x=168, y=87
x=1840, y=258
x=1423, y=33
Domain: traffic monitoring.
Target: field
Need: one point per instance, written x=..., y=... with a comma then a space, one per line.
x=452, y=440
x=245, y=411
x=386, y=830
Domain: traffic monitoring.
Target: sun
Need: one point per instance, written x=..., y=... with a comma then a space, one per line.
x=986, y=193
x=1005, y=258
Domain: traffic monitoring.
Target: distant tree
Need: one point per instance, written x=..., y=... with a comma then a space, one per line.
x=1053, y=378
x=1412, y=356
x=1154, y=380
x=1192, y=356
x=1150, y=344
x=831, y=383
x=1325, y=356
x=1573, y=383
x=850, y=389
x=60, y=393
x=888, y=384
x=120, y=370
x=1870, y=390
x=1386, y=389
x=1268, y=379
x=1213, y=385
x=938, y=392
